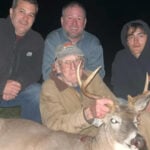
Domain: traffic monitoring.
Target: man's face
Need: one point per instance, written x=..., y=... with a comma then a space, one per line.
x=22, y=17
x=68, y=68
x=73, y=21
x=136, y=41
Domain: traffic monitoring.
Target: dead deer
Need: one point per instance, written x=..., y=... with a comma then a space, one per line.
x=118, y=130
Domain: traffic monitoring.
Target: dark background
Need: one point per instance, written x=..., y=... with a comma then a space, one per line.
x=105, y=20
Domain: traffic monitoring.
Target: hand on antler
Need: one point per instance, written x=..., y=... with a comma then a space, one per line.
x=99, y=109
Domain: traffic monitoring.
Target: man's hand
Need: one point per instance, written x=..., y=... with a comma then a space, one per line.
x=11, y=90
x=99, y=109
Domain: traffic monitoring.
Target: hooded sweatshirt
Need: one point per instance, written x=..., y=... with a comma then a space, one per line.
x=129, y=72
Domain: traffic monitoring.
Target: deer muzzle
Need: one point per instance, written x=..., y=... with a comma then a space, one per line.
x=138, y=142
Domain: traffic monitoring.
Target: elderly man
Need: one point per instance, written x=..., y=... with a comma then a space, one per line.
x=63, y=106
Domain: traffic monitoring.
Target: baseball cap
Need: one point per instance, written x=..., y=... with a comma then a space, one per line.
x=67, y=49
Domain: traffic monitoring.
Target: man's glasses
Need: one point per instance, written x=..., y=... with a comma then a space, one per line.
x=68, y=63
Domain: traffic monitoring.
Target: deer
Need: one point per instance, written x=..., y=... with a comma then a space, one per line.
x=118, y=130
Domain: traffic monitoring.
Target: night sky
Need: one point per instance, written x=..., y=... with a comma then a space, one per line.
x=105, y=20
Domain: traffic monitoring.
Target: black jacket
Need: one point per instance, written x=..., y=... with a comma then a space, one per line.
x=128, y=72
x=20, y=60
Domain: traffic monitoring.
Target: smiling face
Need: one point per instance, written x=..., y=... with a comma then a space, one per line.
x=67, y=67
x=136, y=40
x=23, y=16
x=73, y=21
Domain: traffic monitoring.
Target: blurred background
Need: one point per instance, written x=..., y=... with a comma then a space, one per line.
x=105, y=20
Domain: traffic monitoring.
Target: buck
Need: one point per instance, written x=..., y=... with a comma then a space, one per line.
x=118, y=130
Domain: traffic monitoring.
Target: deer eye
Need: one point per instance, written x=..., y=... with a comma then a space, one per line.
x=114, y=121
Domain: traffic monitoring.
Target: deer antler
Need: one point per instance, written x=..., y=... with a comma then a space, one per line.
x=132, y=100
x=83, y=85
x=146, y=83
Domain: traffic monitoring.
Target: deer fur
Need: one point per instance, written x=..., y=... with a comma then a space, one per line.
x=118, y=131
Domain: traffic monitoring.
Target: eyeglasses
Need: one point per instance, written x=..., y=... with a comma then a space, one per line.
x=68, y=63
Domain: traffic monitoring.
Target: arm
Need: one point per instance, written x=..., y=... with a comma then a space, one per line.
x=93, y=52
x=99, y=59
x=48, y=57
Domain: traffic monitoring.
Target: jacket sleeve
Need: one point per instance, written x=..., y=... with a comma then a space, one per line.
x=54, y=113
x=93, y=52
x=48, y=58
x=51, y=42
x=98, y=58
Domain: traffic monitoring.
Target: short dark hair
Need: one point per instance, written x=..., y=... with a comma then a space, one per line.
x=71, y=4
x=34, y=2
x=134, y=26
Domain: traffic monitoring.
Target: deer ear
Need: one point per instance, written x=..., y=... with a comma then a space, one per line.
x=129, y=97
x=141, y=102
x=130, y=100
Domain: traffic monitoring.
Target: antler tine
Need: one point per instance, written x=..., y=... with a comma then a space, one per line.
x=133, y=100
x=146, y=83
x=84, y=85
x=87, y=82
x=78, y=74
x=91, y=77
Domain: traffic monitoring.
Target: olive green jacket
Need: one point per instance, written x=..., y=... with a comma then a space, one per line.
x=62, y=106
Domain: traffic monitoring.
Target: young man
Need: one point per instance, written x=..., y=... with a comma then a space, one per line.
x=133, y=62
x=73, y=22
x=21, y=51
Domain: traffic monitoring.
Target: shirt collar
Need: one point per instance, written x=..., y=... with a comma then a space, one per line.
x=66, y=37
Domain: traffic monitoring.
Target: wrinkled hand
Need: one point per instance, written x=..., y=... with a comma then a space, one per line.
x=11, y=90
x=99, y=109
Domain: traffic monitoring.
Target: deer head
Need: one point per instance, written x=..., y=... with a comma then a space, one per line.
x=119, y=128
x=140, y=100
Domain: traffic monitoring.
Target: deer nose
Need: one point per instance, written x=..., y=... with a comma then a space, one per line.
x=139, y=142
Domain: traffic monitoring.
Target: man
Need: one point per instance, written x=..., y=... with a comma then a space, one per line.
x=73, y=22
x=21, y=51
x=133, y=62
x=63, y=106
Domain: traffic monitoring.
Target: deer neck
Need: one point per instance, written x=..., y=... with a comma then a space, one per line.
x=102, y=141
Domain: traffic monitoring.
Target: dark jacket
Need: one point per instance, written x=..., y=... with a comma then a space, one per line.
x=20, y=60
x=128, y=72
